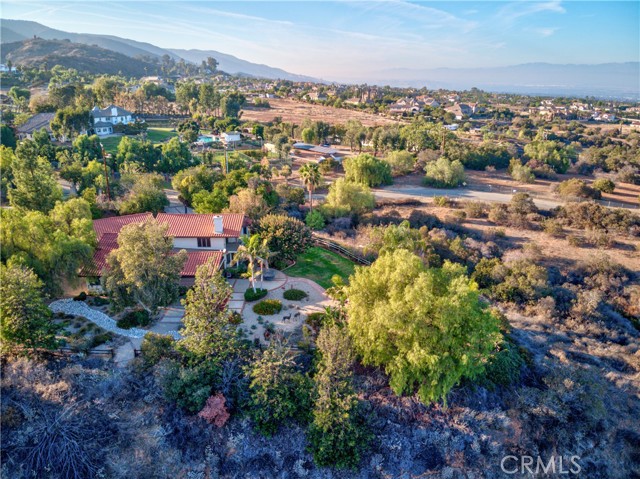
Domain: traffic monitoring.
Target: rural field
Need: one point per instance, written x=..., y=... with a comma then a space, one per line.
x=296, y=112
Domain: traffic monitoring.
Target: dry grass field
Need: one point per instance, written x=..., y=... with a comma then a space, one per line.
x=297, y=112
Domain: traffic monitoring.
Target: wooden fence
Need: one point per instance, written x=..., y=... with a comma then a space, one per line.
x=341, y=250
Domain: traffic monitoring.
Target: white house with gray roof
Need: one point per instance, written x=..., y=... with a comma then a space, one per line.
x=104, y=119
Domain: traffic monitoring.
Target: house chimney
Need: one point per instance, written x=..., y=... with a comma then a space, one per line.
x=217, y=224
x=114, y=111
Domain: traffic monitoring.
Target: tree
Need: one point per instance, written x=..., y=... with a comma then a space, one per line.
x=20, y=97
x=604, y=185
x=193, y=180
x=337, y=435
x=33, y=186
x=70, y=122
x=368, y=170
x=286, y=237
x=208, y=337
x=249, y=202
x=25, y=319
x=175, y=156
x=402, y=162
x=142, y=153
x=278, y=392
x=308, y=135
x=6, y=160
x=189, y=130
x=444, y=173
x=231, y=104
x=315, y=220
x=210, y=201
x=355, y=134
x=88, y=147
x=520, y=172
x=145, y=195
x=426, y=326
x=311, y=178
x=7, y=137
x=248, y=251
x=347, y=198
x=144, y=269
x=552, y=153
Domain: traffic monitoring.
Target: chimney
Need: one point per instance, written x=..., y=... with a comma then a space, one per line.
x=114, y=111
x=217, y=224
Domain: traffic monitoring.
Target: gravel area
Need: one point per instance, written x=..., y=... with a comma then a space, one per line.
x=79, y=308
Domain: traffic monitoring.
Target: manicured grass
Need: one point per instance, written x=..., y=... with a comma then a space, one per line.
x=158, y=135
x=320, y=265
x=155, y=135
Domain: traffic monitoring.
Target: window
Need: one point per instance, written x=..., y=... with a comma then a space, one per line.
x=204, y=242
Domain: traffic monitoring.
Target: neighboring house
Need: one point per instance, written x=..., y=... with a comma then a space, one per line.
x=604, y=116
x=316, y=96
x=203, y=236
x=406, y=105
x=103, y=120
x=5, y=69
x=35, y=123
x=231, y=137
x=461, y=110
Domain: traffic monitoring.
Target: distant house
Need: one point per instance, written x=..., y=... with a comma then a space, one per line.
x=105, y=119
x=36, y=123
x=5, y=69
x=406, y=105
x=203, y=236
x=604, y=116
x=461, y=110
x=231, y=137
x=316, y=96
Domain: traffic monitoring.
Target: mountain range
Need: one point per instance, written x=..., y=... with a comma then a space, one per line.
x=610, y=80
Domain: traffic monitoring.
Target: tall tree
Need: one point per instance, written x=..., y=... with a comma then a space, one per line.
x=337, y=435
x=33, y=186
x=311, y=178
x=25, y=320
x=426, y=326
x=144, y=269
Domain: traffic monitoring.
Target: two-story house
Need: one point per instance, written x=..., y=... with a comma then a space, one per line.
x=104, y=119
x=203, y=236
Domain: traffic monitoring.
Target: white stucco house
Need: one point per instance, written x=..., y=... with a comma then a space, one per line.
x=104, y=119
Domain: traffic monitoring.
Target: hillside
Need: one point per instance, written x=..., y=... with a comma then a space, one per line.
x=85, y=58
x=235, y=65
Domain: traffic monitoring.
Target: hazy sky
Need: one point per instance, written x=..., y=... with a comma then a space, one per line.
x=347, y=39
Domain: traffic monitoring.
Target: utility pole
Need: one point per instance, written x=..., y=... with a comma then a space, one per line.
x=226, y=161
x=106, y=173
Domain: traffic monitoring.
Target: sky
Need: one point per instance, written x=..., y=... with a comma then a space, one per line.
x=351, y=39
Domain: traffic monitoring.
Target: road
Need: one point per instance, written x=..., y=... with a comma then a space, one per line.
x=401, y=192
x=175, y=206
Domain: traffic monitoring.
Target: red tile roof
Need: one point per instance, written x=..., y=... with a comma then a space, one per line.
x=115, y=223
x=180, y=225
x=201, y=225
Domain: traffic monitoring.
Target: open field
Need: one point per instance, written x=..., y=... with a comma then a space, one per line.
x=297, y=112
x=320, y=265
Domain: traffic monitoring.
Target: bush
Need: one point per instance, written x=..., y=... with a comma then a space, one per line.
x=268, y=307
x=135, y=318
x=235, y=318
x=294, y=294
x=259, y=293
x=156, y=347
x=520, y=172
x=99, y=301
x=505, y=367
x=188, y=387
x=474, y=209
x=441, y=201
x=367, y=170
x=315, y=220
x=316, y=320
x=345, y=198
x=553, y=228
x=604, y=185
x=575, y=188
x=80, y=297
x=443, y=173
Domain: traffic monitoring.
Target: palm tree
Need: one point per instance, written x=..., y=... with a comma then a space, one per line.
x=263, y=255
x=311, y=177
x=248, y=251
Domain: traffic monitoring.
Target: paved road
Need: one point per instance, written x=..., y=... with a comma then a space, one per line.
x=400, y=192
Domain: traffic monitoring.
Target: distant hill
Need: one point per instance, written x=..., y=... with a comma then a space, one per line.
x=27, y=29
x=235, y=65
x=86, y=58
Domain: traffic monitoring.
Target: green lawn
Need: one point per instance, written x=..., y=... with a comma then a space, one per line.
x=320, y=265
x=155, y=135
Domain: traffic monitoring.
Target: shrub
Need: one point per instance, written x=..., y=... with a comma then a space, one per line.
x=575, y=188
x=135, y=318
x=345, y=198
x=520, y=172
x=156, y=347
x=316, y=320
x=367, y=170
x=294, y=294
x=402, y=162
x=315, y=220
x=99, y=301
x=259, y=293
x=443, y=173
x=188, y=387
x=474, y=209
x=80, y=297
x=505, y=367
x=575, y=240
x=553, y=228
x=235, y=318
x=268, y=307
x=441, y=201
x=215, y=411
x=604, y=185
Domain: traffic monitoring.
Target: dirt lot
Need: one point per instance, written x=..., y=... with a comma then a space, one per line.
x=297, y=112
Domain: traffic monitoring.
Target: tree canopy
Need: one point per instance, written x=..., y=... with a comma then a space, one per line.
x=368, y=170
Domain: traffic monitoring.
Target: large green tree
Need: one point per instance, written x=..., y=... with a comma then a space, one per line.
x=368, y=170
x=426, y=326
x=25, y=320
x=144, y=270
x=311, y=178
x=286, y=237
x=33, y=186
x=146, y=194
x=346, y=198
